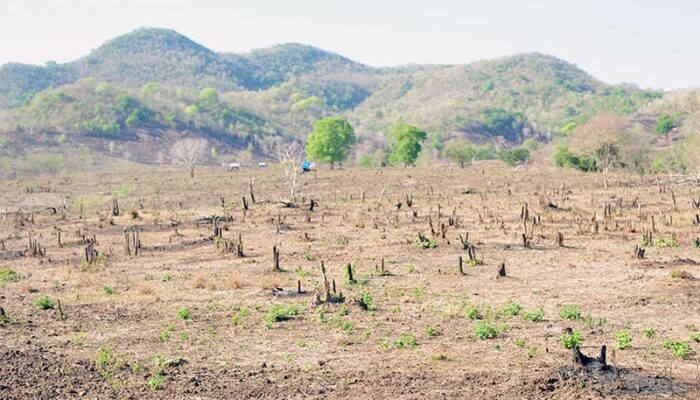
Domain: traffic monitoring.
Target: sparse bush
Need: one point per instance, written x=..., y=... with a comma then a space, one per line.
x=405, y=340
x=278, y=313
x=473, y=313
x=679, y=349
x=184, y=314
x=9, y=275
x=431, y=331
x=484, y=330
x=511, y=308
x=571, y=340
x=649, y=333
x=624, y=340
x=424, y=242
x=570, y=311
x=534, y=315
x=43, y=302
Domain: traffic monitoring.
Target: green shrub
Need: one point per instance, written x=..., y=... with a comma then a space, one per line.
x=278, y=313
x=534, y=315
x=431, y=331
x=405, y=340
x=649, y=333
x=473, y=313
x=9, y=275
x=511, y=308
x=184, y=314
x=624, y=340
x=484, y=330
x=43, y=302
x=570, y=311
x=571, y=340
x=680, y=349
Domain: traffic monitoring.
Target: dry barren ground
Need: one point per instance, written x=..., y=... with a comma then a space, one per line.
x=189, y=317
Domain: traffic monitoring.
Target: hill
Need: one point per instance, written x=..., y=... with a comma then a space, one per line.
x=158, y=83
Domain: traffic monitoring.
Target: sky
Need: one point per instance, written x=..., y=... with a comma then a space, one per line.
x=646, y=42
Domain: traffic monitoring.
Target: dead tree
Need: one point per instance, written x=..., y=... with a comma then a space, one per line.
x=132, y=242
x=276, y=259
x=501, y=270
x=115, y=207
x=187, y=153
x=291, y=155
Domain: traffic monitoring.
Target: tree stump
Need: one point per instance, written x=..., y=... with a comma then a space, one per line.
x=501, y=270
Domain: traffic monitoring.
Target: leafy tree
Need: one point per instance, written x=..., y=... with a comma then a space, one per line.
x=460, y=152
x=330, y=140
x=208, y=98
x=563, y=157
x=664, y=125
x=406, y=143
x=514, y=156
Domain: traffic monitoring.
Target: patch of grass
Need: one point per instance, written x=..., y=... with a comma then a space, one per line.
x=79, y=339
x=424, y=242
x=239, y=315
x=649, y=333
x=43, y=302
x=279, y=313
x=473, y=313
x=570, y=311
x=366, y=302
x=302, y=272
x=672, y=242
x=511, y=308
x=108, y=289
x=571, y=340
x=520, y=342
x=624, y=340
x=9, y=275
x=431, y=331
x=535, y=315
x=679, y=349
x=484, y=330
x=681, y=274
x=695, y=336
x=405, y=340
x=156, y=381
x=184, y=314
x=440, y=357
x=410, y=268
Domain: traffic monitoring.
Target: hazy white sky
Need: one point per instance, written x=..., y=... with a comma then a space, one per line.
x=651, y=43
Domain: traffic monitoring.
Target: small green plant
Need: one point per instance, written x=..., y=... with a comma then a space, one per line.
x=440, y=357
x=79, y=339
x=649, y=333
x=9, y=275
x=473, y=313
x=570, y=311
x=624, y=340
x=108, y=289
x=166, y=278
x=165, y=336
x=535, y=315
x=672, y=242
x=346, y=327
x=680, y=349
x=43, y=302
x=278, y=313
x=531, y=352
x=184, y=314
x=405, y=340
x=484, y=330
x=571, y=340
x=423, y=242
x=239, y=315
x=302, y=272
x=366, y=302
x=431, y=331
x=342, y=240
x=156, y=381
x=410, y=268
x=520, y=342
x=695, y=336
x=511, y=308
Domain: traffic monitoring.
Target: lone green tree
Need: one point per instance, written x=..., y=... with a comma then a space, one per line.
x=331, y=140
x=406, y=143
x=664, y=125
x=460, y=152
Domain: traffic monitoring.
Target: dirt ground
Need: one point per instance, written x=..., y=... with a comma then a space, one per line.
x=190, y=318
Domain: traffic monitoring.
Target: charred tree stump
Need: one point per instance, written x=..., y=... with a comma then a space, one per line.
x=132, y=242
x=460, y=265
x=115, y=207
x=245, y=203
x=560, y=239
x=696, y=203
x=252, y=194
x=90, y=253
x=348, y=273
x=276, y=259
x=639, y=252
x=501, y=270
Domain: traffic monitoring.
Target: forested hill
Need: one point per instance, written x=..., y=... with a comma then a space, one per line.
x=138, y=92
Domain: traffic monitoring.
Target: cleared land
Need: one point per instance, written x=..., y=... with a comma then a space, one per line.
x=190, y=318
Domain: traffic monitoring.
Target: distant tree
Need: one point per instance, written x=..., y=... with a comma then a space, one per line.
x=664, y=125
x=188, y=152
x=208, y=98
x=606, y=138
x=330, y=140
x=291, y=156
x=460, y=152
x=513, y=157
x=406, y=143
